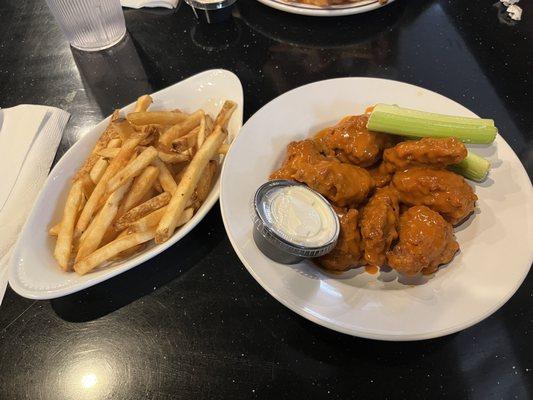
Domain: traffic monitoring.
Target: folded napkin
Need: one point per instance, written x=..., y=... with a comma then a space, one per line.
x=149, y=3
x=29, y=136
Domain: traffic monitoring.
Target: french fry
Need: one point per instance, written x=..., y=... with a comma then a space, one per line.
x=165, y=178
x=184, y=143
x=209, y=125
x=158, y=128
x=102, y=142
x=225, y=114
x=114, y=143
x=149, y=140
x=140, y=187
x=111, y=249
x=129, y=252
x=223, y=149
x=187, y=184
x=132, y=169
x=111, y=150
x=206, y=182
x=182, y=128
x=141, y=210
x=147, y=222
x=54, y=230
x=156, y=117
x=98, y=170
x=157, y=187
x=108, y=153
x=102, y=222
x=109, y=235
x=126, y=151
x=65, y=235
x=87, y=185
x=115, y=116
x=124, y=130
x=173, y=158
x=201, y=131
x=143, y=103
x=151, y=220
x=88, y=230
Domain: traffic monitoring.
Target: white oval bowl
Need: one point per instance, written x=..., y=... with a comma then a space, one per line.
x=33, y=272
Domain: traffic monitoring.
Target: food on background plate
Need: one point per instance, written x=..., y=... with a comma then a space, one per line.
x=392, y=176
x=146, y=176
x=327, y=3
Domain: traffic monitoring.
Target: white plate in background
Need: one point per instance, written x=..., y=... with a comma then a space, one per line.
x=496, y=243
x=34, y=272
x=329, y=11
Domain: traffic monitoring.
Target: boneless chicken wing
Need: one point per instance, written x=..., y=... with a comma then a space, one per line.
x=351, y=142
x=441, y=190
x=299, y=155
x=430, y=152
x=343, y=184
x=348, y=252
x=426, y=241
x=379, y=224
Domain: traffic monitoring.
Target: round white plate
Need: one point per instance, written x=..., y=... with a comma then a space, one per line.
x=33, y=271
x=331, y=11
x=496, y=243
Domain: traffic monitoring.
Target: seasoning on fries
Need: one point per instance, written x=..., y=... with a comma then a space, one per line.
x=147, y=175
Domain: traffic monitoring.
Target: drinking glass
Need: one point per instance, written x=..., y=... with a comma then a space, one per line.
x=89, y=25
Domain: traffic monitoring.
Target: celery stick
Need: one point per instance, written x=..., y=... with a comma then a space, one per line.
x=472, y=167
x=406, y=122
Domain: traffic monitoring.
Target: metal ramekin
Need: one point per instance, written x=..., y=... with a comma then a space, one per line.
x=272, y=243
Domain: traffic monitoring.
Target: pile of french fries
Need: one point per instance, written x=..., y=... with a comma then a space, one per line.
x=146, y=176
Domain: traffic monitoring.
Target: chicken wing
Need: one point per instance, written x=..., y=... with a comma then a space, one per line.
x=430, y=152
x=299, y=155
x=379, y=223
x=441, y=190
x=348, y=251
x=351, y=142
x=426, y=241
x=342, y=184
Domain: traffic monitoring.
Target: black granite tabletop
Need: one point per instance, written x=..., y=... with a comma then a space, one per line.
x=192, y=323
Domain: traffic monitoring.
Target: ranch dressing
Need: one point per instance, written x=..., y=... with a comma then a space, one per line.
x=301, y=216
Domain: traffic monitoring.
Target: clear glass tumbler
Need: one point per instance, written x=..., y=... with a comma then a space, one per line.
x=90, y=25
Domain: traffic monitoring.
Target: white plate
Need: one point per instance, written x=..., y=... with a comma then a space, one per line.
x=331, y=11
x=496, y=245
x=34, y=272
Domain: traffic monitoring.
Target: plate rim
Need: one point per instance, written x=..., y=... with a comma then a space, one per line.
x=142, y=257
x=369, y=333
x=324, y=12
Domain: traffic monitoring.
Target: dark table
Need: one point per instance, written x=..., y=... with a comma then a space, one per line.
x=192, y=323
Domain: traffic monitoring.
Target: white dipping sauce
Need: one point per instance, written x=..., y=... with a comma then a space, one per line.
x=301, y=216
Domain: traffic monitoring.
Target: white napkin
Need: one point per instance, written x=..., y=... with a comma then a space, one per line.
x=149, y=3
x=29, y=136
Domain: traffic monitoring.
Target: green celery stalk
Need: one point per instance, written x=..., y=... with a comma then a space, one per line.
x=406, y=122
x=472, y=167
